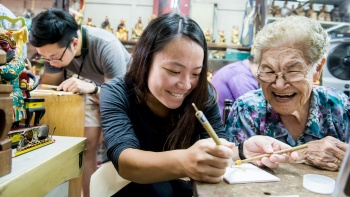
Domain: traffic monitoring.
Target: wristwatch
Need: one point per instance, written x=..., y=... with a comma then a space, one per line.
x=96, y=87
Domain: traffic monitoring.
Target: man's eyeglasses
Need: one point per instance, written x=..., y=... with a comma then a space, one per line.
x=60, y=59
x=290, y=77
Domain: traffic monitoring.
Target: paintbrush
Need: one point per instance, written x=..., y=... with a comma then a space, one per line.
x=239, y=162
x=203, y=120
x=48, y=86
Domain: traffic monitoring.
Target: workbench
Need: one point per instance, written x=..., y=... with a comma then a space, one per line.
x=38, y=172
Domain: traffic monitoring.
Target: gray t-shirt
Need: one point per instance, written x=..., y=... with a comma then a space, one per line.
x=107, y=57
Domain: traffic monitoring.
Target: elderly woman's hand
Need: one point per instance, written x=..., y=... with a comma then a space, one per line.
x=257, y=145
x=326, y=153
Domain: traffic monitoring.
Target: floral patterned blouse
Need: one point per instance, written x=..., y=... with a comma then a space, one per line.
x=329, y=116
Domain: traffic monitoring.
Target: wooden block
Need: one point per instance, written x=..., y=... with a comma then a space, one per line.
x=6, y=110
x=2, y=57
x=5, y=144
x=5, y=162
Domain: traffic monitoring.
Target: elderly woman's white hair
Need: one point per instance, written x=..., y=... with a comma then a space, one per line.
x=298, y=32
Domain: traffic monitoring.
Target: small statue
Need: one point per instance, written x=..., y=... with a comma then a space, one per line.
x=208, y=35
x=311, y=13
x=300, y=11
x=78, y=16
x=235, y=35
x=323, y=15
x=137, y=30
x=10, y=71
x=293, y=11
x=153, y=16
x=285, y=10
x=90, y=23
x=222, y=37
x=335, y=14
x=106, y=25
x=121, y=32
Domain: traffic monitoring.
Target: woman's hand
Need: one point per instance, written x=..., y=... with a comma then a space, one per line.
x=327, y=153
x=257, y=145
x=205, y=161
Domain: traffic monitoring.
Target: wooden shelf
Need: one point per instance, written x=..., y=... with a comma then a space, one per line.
x=211, y=46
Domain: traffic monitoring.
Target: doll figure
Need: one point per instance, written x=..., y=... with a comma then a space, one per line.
x=90, y=23
x=137, y=30
x=121, y=32
x=235, y=35
x=299, y=10
x=222, y=37
x=311, y=13
x=106, y=25
x=285, y=11
x=208, y=35
x=9, y=74
x=335, y=14
x=323, y=15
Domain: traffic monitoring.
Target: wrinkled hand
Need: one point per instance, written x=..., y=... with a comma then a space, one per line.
x=258, y=145
x=327, y=153
x=205, y=161
x=76, y=86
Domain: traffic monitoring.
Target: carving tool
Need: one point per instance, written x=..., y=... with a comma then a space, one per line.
x=239, y=162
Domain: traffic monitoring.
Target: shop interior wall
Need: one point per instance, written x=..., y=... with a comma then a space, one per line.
x=229, y=13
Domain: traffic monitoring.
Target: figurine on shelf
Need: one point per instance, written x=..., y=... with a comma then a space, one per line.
x=235, y=35
x=300, y=10
x=219, y=54
x=335, y=14
x=106, y=25
x=137, y=30
x=285, y=10
x=153, y=16
x=323, y=15
x=345, y=16
x=9, y=73
x=90, y=23
x=208, y=35
x=293, y=11
x=222, y=37
x=121, y=32
x=311, y=13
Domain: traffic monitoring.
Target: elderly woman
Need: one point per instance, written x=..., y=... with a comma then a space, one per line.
x=290, y=54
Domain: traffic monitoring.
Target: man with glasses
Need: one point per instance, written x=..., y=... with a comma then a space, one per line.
x=93, y=54
x=290, y=54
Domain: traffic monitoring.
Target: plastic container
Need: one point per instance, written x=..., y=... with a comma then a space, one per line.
x=318, y=183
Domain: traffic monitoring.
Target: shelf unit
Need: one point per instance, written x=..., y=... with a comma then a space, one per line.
x=214, y=63
x=331, y=27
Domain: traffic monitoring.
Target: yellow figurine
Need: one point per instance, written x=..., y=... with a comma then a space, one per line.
x=222, y=37
x=106, y=25
x=90, y=23
x=235, y=35
x=137, y=30
x=208, y=35
x=121, y=32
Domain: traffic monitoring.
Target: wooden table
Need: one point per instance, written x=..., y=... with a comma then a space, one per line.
x=291, y=183
x=38, y=172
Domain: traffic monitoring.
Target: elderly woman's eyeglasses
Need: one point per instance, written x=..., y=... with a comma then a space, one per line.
x=294, y=76
x=60, y=59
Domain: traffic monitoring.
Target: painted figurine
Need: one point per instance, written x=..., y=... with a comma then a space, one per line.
x=208, y=35
x=106, y=25
x=10, y=72
x=121, y=32
x=137, y=30
x=235, y=35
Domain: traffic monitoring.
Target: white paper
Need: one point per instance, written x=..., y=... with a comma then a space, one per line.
x=247, y=173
